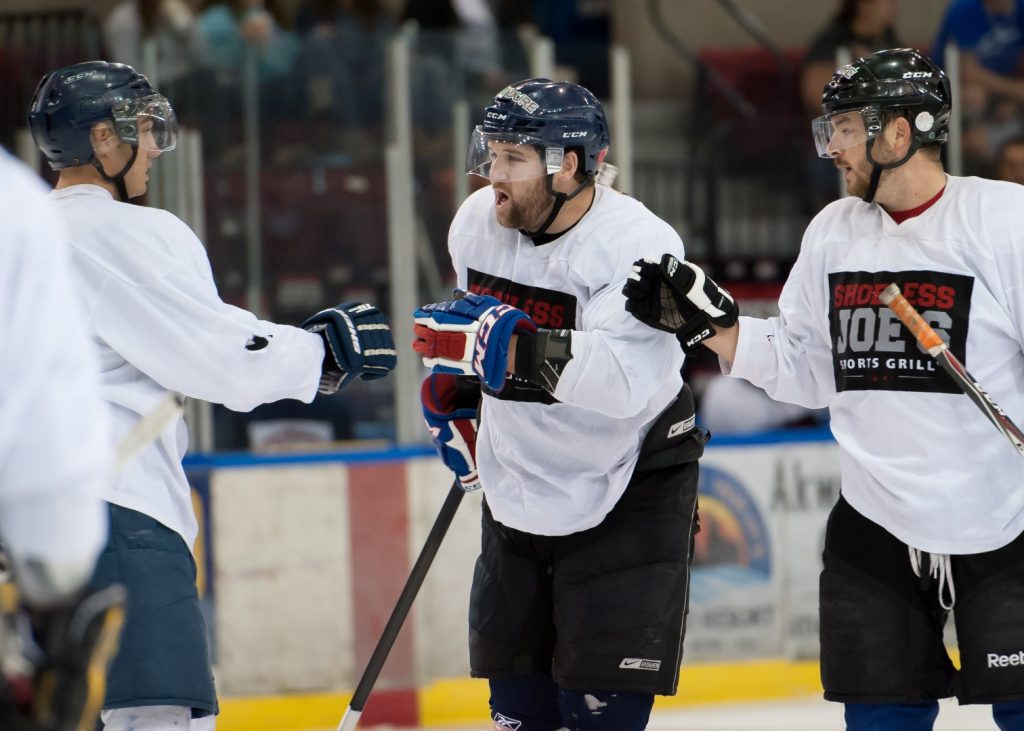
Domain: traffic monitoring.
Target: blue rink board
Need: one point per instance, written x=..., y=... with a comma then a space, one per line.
x=401, y=453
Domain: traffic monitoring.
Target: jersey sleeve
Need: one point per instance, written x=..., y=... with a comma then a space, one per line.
x=55, y=450
x=177, y=330
x=790, y=356
x=618, y=365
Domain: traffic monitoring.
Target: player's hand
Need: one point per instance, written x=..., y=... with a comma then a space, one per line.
x=469, y=336
x=676, y=296
x=357, y=342
x=450, y=407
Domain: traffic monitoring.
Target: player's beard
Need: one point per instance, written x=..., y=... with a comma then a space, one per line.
x=528, y=206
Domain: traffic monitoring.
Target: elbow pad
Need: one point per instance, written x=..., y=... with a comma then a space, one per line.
x=541, y=358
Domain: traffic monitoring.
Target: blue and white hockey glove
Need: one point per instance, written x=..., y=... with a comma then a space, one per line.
x=469, y=336
x=450, y=406
x=357, y=342
x=677, y=297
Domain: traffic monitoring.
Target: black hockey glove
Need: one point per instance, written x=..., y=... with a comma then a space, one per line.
x=55, y=660
x=677, y=297
x=357, y=342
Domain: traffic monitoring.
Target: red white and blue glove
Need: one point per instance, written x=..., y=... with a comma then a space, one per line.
x=469, y=336
x=450, y=406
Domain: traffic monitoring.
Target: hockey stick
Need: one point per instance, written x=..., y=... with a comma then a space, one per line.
x=148, y=428
x=931, y=341
x=402, y=607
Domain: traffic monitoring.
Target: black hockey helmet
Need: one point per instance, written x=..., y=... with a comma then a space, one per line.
x=854, y=104
x=70, y=100
x=899, y=80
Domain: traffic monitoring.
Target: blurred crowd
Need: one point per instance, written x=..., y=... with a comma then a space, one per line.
x=315, y=71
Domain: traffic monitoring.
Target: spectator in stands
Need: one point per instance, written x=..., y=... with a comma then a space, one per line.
x=233, y=32
x=229, y=27
x=990, y=36
x=859, y=26
x=172, y=27
x=1010, y=161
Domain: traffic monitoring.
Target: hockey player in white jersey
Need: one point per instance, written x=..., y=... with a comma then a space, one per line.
x=586, y=451
x=932, y=508
x=55, y=460
x=148, y=296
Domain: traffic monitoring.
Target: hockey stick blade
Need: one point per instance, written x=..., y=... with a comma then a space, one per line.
x=402, y=607
x=930, y=340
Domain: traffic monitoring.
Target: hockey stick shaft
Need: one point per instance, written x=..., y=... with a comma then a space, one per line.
x=402, y=607
x=938, y=349
x=148, y=428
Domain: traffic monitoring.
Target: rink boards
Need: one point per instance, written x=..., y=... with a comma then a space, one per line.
x=306, y=554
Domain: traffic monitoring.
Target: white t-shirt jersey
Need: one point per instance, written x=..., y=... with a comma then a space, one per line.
x=917, y=456
x=160, y=326
x=55, y=454
x=554, y=466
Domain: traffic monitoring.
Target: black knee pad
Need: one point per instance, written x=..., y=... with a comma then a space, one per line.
x=990, y=633
x=878, y=646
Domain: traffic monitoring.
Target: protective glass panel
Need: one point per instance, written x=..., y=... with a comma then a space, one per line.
x=840, y=131
x=510, y=158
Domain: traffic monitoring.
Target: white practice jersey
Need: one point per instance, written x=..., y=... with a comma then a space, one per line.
x=557, y=465
x=148, y=293
x=55, y=454
x=917, y=456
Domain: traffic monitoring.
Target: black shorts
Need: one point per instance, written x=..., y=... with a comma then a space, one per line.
x=881, y=625
x=164, y=657
x=603, y=609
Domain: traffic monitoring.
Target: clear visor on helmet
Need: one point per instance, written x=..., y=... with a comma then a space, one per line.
x=509, y=158
x=839, y=131
x=148, y=122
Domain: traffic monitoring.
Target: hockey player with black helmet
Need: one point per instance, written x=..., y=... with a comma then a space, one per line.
x=931, y=514
x=147, y=293
x=586, y=451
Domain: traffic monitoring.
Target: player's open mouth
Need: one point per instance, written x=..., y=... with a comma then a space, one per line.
x=500, y=199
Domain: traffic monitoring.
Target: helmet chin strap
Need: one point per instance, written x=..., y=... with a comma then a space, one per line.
x=560, y=200
x=878, y=167
x=118, y=179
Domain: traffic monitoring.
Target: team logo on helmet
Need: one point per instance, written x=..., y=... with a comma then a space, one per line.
x=519, y=98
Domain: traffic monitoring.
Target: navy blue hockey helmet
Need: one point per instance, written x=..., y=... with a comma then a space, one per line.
x=70, y=100
x=553, y=116
x=896, y=80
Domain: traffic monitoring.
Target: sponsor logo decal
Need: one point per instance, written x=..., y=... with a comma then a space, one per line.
x=995, y=660
x=639, y=663
x=681, y=427
x=871, y=350
x=501, y=721
x=549, y=308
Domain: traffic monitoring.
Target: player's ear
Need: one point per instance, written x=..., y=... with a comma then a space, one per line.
x=103, y=138
x=570, y=165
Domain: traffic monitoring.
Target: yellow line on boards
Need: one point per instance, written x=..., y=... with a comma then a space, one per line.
x=455, y=701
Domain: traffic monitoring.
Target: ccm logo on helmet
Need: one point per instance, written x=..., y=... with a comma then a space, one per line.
x=497, y=115
x=77, y=77
x=917, y=75
x=574, y=134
